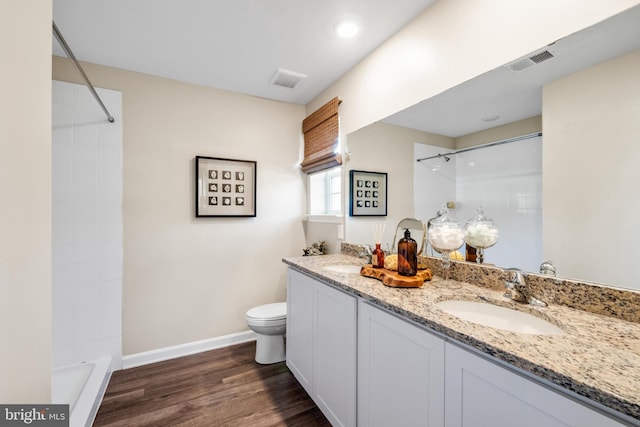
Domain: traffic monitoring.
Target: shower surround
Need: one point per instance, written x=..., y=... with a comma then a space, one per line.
x=87, y=242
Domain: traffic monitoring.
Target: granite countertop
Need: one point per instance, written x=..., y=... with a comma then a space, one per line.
x=598, y=357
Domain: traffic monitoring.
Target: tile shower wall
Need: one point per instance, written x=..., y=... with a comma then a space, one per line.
x=87, y=226
x=506, y=180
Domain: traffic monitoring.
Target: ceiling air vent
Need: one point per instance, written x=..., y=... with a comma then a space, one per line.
x=529, y=60
x=286, y=78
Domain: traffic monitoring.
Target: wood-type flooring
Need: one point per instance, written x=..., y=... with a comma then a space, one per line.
x=223, y=387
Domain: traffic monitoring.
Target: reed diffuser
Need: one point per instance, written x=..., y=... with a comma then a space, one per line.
x=377, y=256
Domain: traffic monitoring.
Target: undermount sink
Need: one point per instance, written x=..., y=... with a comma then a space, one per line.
x=495, y=316
x=343, y=268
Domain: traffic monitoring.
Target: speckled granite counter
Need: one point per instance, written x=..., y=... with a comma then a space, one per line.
x=598, y=357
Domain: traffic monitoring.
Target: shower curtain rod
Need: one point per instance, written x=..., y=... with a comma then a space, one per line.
x=73, y=59
x=477, y=147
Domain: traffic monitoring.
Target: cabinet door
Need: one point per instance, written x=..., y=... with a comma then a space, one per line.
x=480, y=393
x=300, y=291
x=334, y=376
x=400, y=372
x=321, y=345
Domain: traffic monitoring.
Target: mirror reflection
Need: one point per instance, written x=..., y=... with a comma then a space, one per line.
x=568, y=196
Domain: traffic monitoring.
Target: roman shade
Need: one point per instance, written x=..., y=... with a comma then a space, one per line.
x=321, y=136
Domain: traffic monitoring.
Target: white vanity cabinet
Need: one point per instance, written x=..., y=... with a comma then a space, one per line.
x=321, y=345
x=405, y=374
x=400, y=372
x=480, y=393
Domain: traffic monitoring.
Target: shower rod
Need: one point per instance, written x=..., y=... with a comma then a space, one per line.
x=477, y=147
x=73, y=59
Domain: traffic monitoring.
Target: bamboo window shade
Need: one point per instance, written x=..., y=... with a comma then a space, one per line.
x=321, y=133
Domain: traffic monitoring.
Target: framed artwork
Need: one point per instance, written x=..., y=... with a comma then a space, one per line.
x=367, y=193
x=225, y=187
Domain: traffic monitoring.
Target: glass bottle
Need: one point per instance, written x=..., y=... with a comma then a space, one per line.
x=377, y=257
x=470, y=253
x=407, y=255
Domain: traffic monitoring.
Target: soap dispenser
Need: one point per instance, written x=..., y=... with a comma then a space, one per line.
x=407, y=255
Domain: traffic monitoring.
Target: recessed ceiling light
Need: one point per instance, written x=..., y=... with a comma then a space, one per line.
x=347, y=29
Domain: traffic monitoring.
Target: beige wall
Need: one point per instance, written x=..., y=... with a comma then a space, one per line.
x=452, y=42
x=590, y=182
x=499, y=133
x=25, y=205
x=187, y=278
x=382, y=147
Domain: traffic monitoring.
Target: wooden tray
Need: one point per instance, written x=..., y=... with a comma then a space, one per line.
x=395, y=280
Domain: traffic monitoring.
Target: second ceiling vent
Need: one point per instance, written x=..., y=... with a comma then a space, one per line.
x=286, y=78
x=529, y=60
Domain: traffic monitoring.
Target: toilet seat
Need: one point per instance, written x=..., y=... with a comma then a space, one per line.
x=255, y=323
x=270, y=313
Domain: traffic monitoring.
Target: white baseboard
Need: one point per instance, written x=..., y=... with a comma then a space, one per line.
x=166, y=353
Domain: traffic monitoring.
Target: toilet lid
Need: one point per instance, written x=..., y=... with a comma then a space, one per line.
x=273, y=311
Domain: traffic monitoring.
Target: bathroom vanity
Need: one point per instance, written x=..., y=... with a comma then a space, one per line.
x=371, y=355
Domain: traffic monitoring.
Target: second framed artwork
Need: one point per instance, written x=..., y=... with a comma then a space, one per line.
x=225, y=187
x=367, y=193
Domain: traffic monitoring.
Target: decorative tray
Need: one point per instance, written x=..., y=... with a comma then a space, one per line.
x=394, y=279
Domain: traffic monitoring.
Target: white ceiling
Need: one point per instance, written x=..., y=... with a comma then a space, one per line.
x=518, y=95
x=231, y=44
x=238, y=44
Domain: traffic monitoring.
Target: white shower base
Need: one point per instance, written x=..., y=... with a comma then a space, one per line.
x=82, y=386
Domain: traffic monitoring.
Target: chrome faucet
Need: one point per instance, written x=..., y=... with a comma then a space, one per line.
x=518, y=289
x=548, y=268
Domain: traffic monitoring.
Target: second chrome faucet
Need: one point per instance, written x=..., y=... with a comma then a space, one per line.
x=518, y=289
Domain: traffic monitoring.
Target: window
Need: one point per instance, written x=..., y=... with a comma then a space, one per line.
x=325, y=192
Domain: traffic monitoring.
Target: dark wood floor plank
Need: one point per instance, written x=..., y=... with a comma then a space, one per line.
x=223, y=387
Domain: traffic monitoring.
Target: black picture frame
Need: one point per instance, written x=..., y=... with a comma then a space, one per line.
x=367, y=193
x=225, y=187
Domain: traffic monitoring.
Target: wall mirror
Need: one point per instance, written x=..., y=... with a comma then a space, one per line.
x=514, y=96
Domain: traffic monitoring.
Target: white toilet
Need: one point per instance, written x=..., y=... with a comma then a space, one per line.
x=269, y=322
